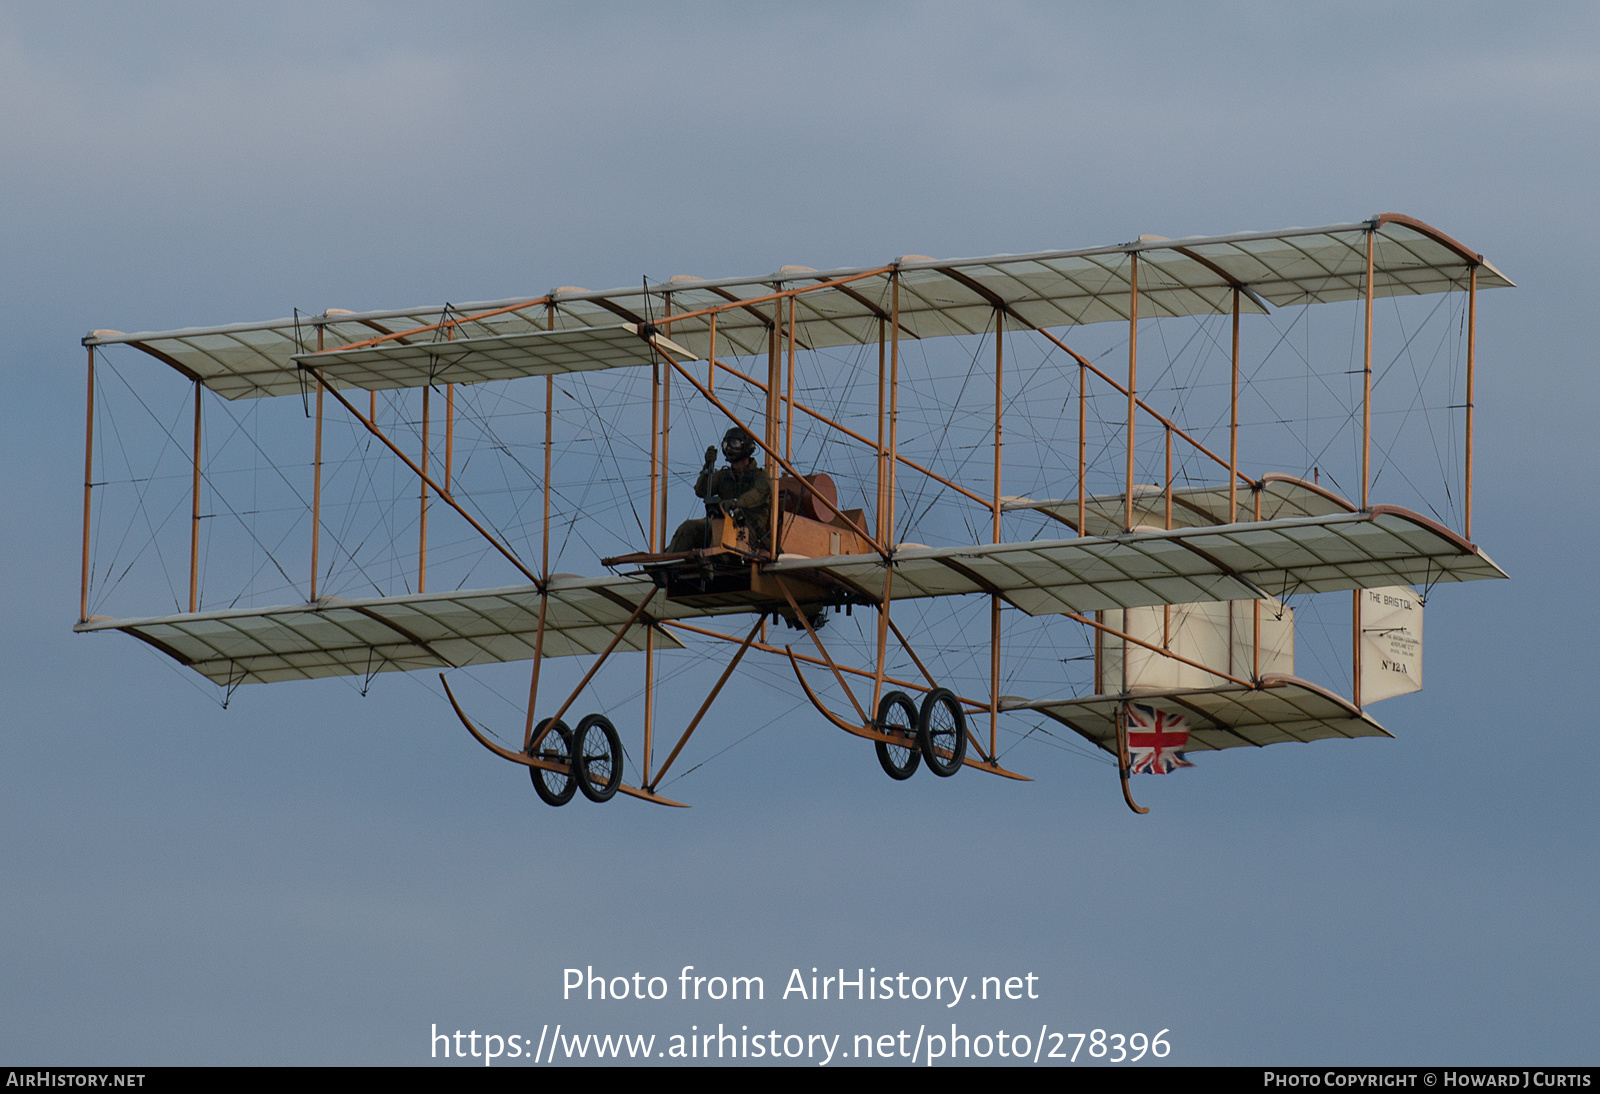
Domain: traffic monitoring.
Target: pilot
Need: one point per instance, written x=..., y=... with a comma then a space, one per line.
x=741, y=490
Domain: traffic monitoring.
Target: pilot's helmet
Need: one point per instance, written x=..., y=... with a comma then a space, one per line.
x=738, y=445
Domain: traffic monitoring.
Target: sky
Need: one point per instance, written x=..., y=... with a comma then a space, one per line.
x=313, y=876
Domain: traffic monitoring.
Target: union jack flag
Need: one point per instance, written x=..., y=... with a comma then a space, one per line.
x=1155, y=739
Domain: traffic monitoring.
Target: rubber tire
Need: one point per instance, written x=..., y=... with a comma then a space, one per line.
x=592, y=733
x=934, y=732
x=896, y=765
x=552, y=787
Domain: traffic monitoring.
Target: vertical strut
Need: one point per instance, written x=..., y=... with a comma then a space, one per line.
x=655, y=454
x=316, y=483
x=658, y=535
x=316, y=496
x=774, y=419
x=894, y=403
x=422, y=519
x=88, y=487
x=788, y=435
x=1366, y=457
x=1366, y=381
x=649, y=701
x=549, y=415
x=449, y=435
x=1255, y=674
x=194, y=520
x=1233, y=422
x=883, y=537
x=1355, y=647
x=1169, y=479
x=533, y=681
x=883, y=480
x=1166, y=609
x=1083, y=442
x=994, y=599
x=666, y=432
x=1099, y=655
x=883, y=636
x=1133, y=375
x=1472, y=345
x=999, y=410
x=544, y=564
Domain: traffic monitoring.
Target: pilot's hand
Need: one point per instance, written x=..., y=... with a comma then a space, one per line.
x=714, y=501
x=711, y=458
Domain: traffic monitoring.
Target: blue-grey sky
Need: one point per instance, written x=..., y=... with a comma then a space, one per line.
x=312, y=876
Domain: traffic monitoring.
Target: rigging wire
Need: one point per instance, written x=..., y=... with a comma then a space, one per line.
x=936, y=424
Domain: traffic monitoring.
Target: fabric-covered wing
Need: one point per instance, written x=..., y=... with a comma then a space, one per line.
x=1281, y=497
x=1383, y=546
x=937, y=297
x=1045, y=577
x=1284, y=708
x=400, y=633
x=505, y=357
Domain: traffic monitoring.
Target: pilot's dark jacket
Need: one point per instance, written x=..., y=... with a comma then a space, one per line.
x=749, y=490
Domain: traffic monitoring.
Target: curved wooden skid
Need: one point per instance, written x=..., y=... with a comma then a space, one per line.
x=1127, y=796
x=498, y=750
x=1123, y=763
x=994, y=769
x=531, y=761
x=870, y=734
x=649, y=796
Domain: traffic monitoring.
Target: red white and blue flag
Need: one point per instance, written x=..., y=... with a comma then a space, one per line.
x=1155, y=739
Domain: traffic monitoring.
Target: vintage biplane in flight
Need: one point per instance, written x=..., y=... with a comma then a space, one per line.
x=1179, y=585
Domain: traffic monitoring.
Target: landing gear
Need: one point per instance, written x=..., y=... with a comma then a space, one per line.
x=937, y=733
x=553, y=787
x=942, y=732
x=897, y=716
x=591, y=754
x=597, y=758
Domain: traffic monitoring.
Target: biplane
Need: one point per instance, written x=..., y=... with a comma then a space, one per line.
x=1178, y=583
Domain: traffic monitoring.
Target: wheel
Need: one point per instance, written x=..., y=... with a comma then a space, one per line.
x=942, y=732
x=597, y=755
x=897, y=716
x=553, y=787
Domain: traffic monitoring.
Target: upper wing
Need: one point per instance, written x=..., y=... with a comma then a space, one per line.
x=1280, y=498
x=1382, y=546
x=499, y=357
x=936, y=297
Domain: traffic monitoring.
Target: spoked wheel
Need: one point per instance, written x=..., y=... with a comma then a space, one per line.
x=597, y=758
x=942, y=732
x=553, y=787
x=897, y=716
